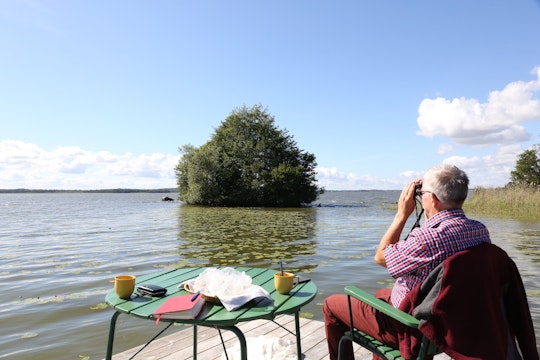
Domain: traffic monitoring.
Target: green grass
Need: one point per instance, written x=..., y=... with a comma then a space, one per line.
x=511, y=202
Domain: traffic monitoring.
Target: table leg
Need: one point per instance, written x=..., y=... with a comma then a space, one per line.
x=111, y=335
x=241, y=338
x=297, y=330
x=194, y=342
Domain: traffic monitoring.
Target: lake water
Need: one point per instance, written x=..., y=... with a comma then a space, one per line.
x=58, y=253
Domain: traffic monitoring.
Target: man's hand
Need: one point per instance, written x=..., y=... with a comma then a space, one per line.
x=406, y=203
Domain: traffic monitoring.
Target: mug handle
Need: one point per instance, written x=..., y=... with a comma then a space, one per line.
x=297, y=281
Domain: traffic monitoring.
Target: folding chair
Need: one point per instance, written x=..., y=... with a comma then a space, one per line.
x=373, y=345
x=472, y=305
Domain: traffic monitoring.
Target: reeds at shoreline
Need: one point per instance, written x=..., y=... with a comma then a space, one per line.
x=510, y=202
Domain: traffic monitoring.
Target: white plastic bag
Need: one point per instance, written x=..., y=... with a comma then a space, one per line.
x=264, y=348
x=232, y=287
x=222, y=282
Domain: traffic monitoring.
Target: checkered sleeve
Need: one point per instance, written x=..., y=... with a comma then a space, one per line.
x=407, y=256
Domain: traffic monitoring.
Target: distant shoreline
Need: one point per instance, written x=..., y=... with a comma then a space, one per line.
x=43, y=191
x=164, y=190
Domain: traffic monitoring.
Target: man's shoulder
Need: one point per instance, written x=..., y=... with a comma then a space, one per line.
x=453, y=217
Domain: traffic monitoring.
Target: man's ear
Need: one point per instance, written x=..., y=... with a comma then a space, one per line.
x=436, y=202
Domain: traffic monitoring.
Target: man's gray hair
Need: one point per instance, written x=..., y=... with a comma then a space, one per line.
x=449, y=183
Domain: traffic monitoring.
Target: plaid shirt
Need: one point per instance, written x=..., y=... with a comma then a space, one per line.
x=447, y=232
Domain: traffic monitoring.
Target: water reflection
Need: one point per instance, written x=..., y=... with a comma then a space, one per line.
x=258, y=237
x=528, y=244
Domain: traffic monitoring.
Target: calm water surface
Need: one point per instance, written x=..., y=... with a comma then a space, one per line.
x=58, y=253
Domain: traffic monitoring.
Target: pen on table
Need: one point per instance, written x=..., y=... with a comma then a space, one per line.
x=194, y=297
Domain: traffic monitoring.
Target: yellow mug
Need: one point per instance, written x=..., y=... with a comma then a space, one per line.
x=124, y=285
x=284, y=283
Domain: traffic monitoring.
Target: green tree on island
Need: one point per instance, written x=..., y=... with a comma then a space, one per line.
x=527, y=171
x=247, y=162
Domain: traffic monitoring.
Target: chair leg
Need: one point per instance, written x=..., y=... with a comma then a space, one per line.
x=341, y=350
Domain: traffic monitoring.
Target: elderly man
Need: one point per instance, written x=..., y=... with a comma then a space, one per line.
x=445, y=232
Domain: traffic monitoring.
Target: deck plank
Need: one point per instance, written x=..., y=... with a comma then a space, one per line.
x=179, y=344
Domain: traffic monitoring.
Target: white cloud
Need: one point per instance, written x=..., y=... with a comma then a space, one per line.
x=409, y=176
x=488, y=170
x=444, y=149
x=491, y=170
x=25, y=165
x=151, y=166
x=470, y=122
x=500, y=122
x=334, y=179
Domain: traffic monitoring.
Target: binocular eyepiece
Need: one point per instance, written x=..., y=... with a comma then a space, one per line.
x=418, y=190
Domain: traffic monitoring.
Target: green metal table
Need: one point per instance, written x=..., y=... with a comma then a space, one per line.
x=214, y=315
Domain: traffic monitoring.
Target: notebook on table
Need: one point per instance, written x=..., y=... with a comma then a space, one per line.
x=183, y=307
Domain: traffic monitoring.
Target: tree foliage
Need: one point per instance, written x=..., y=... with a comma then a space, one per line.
x=247, y=162
x=527, y=171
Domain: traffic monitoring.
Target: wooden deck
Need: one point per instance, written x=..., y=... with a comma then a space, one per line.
x=179, y=344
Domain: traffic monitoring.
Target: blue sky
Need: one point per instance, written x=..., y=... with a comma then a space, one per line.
x=100, y=94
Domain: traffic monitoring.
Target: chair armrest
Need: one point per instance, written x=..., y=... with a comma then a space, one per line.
x=382, y=306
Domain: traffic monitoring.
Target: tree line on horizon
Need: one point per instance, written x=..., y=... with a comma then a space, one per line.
x=119, y=190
